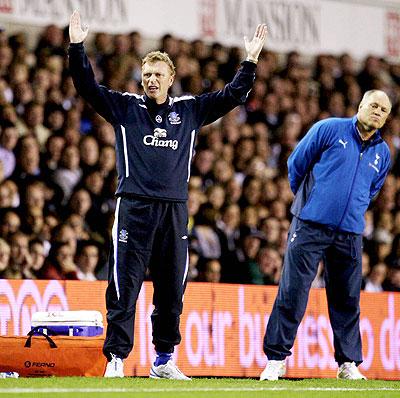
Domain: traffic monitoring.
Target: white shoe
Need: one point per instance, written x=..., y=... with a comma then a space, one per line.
x=167, y=371
x=349, y=371
x=115, y=368
x=273, y=370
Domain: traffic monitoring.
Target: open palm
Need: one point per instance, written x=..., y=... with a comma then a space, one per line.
x=76, y=33
x=254, y=47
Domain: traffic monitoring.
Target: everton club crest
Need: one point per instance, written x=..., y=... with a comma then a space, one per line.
x=174, y=118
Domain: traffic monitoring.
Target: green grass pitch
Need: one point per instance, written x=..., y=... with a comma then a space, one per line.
x=75, y=387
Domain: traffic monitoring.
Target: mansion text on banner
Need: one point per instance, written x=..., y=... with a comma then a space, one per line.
x=311, y=27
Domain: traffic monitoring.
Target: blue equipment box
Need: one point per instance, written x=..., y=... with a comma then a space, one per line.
x=68, y=323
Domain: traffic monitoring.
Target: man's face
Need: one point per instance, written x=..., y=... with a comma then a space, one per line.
x=374, y=110
x=157, y=79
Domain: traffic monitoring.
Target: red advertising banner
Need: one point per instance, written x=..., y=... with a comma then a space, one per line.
x=222, y=327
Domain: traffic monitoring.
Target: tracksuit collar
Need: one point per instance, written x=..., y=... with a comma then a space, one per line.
x=376, y=138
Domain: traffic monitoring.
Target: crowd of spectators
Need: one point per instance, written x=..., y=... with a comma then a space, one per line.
x=57, y=159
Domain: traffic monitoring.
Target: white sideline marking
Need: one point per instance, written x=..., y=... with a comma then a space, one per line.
x=200, y=389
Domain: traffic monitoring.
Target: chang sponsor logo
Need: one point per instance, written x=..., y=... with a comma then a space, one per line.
x=157, y=140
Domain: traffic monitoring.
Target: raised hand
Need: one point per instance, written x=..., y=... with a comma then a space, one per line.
x=76, y=33
x=254, y=47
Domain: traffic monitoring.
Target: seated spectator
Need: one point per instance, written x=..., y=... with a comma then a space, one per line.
x=392, y=282
x=4, y=258
x=34, y=222
x=373, y=282
x=393, y=259
x=251, y=192
x=365, y=268
x=382, y=245
x=269, y=267
x=60, y=263
x=6, y=199
x=202, y=166
x=79, y=226
x=251, y=240
x=54, y=119
x=64, y=233
x=38, y=254
x=69, y=173
x=222, y=171
x=20, y=258
x=271, y=228
x=10, y=224
x=211, y=272
x=229, y=235
x=88, y=153
x=33, y=118
x=105, y=135
x=216, y=196
x=11, y=196
x=107, y=160
x=50, y=222
x=8, y=141
x=204, y=232
x=28, y=161
x=51, y=158
x=80, y=203
x=249, y=218
x=87, y=259
x=193, y=271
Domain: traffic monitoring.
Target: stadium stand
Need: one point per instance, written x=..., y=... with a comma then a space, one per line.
x=57, y=164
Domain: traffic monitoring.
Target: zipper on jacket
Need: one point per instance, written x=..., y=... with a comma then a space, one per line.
x=364, y=145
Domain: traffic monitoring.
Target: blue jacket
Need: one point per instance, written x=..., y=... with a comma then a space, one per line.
x=334, y=174
x=154, y=146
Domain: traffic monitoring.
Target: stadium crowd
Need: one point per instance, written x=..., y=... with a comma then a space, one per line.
x=57, y=159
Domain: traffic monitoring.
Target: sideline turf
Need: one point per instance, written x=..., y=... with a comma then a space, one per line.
x=77, y=387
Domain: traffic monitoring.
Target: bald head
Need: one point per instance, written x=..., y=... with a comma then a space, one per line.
x=377, y=94
x=373, y=110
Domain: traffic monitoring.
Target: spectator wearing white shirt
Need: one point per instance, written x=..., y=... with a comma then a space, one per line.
x=87, y=259
x=8, y=141
x=376, y=277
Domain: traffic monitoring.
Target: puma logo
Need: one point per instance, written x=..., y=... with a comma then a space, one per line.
x=344, y=143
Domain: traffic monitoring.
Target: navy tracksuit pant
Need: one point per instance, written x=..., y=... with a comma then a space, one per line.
x=308, y=243
x=153, y=234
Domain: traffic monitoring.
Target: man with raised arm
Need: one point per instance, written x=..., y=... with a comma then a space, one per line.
x=155, y=137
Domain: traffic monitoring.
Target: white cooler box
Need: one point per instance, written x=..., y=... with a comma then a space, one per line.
x=68, y=323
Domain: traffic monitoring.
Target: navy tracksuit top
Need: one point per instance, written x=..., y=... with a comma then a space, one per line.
x=154, y=149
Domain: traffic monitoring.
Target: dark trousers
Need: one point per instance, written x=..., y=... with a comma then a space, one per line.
x=308, y=243
x=153, y=234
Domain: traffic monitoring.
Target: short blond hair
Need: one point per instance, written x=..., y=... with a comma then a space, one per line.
x=155, y=56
